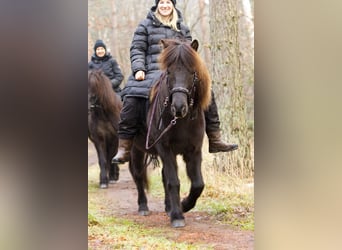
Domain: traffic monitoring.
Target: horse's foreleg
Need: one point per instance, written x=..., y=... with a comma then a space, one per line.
x=167, y=197
x=172, y=187
x=101, y=154
x=193, y=168
x=139, y=174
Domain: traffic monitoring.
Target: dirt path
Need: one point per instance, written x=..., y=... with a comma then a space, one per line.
x=200, y=227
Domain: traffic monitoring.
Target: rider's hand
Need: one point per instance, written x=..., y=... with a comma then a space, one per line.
x=140, y=75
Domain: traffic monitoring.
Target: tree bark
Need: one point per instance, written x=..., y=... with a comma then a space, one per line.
x=228, y=87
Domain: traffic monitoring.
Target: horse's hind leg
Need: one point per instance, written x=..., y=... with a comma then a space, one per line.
x=139, y=173
x=193, y=168
x=101, y=154
x=114, y=170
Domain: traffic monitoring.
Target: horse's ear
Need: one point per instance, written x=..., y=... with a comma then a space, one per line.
x=195, y=44
x=164, y=43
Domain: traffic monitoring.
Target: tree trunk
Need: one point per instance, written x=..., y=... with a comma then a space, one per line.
x=204, y=30
x=229, y=89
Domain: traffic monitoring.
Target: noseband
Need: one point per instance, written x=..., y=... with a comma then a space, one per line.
x=190, y=94
x=94, y=104
x=180, y=89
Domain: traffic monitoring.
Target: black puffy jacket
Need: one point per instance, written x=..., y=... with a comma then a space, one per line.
x=145, y=49
x=110, y=67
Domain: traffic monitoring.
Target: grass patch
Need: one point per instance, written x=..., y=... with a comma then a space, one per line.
x=117, y=233
x=234, y=209
x=229, y=199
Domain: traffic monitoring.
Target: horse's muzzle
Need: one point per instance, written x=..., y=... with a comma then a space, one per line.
x=179, y=105
x=179, y=111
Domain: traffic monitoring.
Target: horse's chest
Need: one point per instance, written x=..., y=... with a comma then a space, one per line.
x=181, y=137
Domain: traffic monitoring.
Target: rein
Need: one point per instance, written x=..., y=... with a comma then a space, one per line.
x=173, y=122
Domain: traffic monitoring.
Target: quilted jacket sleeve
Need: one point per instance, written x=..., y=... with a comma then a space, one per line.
x=139, y=48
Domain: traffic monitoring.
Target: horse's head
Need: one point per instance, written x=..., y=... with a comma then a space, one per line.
x=183, y=66
x=100, y=92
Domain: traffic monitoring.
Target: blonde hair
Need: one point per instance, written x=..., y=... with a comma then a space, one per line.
x=171, y=21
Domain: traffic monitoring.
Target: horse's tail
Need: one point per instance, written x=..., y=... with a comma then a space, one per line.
x=149, y=159
x=152, y=158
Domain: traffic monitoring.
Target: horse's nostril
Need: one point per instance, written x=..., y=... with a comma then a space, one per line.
x=184, y=111
x=179, y=112
x=173, y=110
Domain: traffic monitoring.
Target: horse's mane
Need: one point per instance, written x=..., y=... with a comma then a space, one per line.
x=100, y=86
x=181, y=53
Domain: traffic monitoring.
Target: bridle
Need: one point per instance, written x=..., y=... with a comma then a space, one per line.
x=94, y=104
x=190, y=95
x=189, y=92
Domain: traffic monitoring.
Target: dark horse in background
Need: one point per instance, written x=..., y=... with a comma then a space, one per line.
x=104, y=107
x=176, y=126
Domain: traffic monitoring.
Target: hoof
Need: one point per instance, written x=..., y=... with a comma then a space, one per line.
x=178, y=223
x=118, y=160
x=103, y=186
x=144, y=213
x=113, y=181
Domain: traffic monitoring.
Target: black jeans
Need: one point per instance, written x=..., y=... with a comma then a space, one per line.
x=132, y=116
x=212, y=120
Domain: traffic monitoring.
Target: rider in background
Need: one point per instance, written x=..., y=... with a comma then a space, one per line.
x=101, y=59
x=163, y=21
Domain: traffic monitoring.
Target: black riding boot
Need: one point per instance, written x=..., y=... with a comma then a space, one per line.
x=128, y=127
x=216, y=144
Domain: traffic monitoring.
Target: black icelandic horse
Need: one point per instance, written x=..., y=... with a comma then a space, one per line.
x=104, y=107
x=176, y=126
